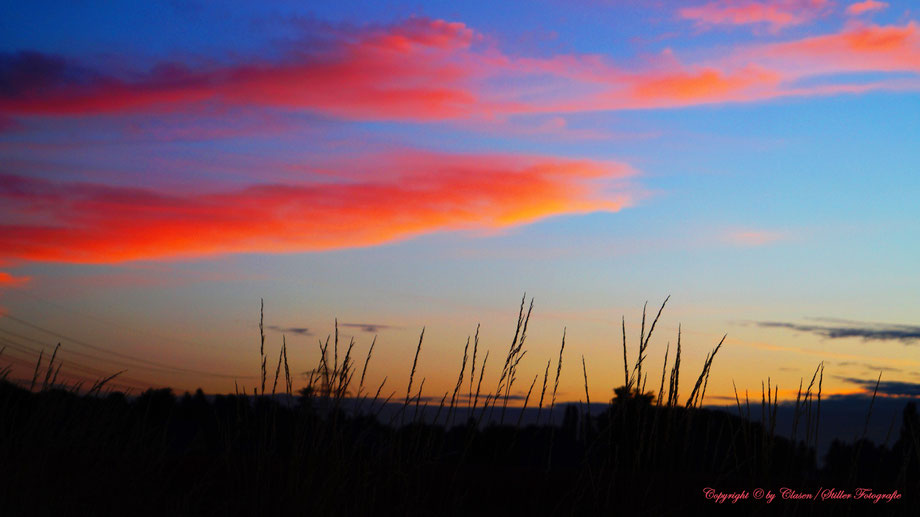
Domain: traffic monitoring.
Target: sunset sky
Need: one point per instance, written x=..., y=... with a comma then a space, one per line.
x=164, y=166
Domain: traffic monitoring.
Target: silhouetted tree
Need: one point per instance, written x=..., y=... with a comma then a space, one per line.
x=623, y=395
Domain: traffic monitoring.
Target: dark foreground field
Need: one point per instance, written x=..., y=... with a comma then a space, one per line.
x=66, y=454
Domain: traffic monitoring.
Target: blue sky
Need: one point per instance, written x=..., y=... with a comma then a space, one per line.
x=401, y=165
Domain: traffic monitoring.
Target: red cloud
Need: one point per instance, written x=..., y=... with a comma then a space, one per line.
x=93, y=223
x=865, y=7
x=777, y=13
x=426, y=70
x=8, y=280
x=406, y=71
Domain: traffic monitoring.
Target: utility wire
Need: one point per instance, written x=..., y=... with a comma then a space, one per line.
x=94, y=358
x=29, y=364
x=164, y=366
x=83, y=314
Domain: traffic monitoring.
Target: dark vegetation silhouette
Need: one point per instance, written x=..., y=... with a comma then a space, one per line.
x=338, y=447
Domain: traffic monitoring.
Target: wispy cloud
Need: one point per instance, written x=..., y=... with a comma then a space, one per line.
x=401, y=71
x=886, y=388
x=409, y=194
x=300, y=331
x=422, y=69
x=869, y=366
x=754, y=237
x=8, y=280
x=842, y=329
x=857, y=48
x=776, y=14
x=865, y=7
x=372, y=328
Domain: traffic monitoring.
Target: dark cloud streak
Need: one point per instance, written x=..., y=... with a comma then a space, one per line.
x=372, y=328
x=301, y=331
x=842, y=329
x=870, y=367
x=887, y=388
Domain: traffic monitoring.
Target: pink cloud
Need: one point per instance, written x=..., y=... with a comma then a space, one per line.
x=777, y=14
x=410, y=193
x=751, y=238
x=858, y=48
x=865, y=7
x=433, y=70
x=551, y=127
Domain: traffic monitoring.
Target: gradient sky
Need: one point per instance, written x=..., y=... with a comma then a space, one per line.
x=163, y=166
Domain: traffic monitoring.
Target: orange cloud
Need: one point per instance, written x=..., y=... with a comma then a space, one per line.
x=411, y=194
x=8, y=280
x=748, y=74
x=869, y=48
x=754, y=237
x=705, y=85
x=865, y=7
x=776, y=13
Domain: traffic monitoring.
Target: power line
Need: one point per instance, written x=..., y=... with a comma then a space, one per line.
x=164, y=366
x=71, y=376
x=104, y=321
x=88, y=356
x=71, y=365
x=13, y=346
